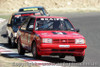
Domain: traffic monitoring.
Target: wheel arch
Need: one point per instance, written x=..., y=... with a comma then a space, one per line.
x=18, y=39
x=34, y=41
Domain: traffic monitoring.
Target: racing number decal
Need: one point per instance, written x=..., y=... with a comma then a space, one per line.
x=28, y=38
x=62, y=33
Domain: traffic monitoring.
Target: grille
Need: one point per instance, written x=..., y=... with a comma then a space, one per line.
x=64, y=41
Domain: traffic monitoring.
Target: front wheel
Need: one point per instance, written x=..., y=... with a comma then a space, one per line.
x=79, y=58
x=9, y=41
x=13, y=44
x=21, y=50
x=34, y=51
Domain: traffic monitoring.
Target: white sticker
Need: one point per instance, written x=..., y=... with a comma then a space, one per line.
x=58, y=19
x=59, y=33
x=66, y=46
x=42, y=18
x=61, y=19
x=46, y=18
x=52, y=19
x=31, y=26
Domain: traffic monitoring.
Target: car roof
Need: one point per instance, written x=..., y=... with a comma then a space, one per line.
x=16, y=13
x=32, y=7
x=48, y=17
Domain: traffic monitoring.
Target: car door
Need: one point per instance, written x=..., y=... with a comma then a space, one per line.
x=9, y=28
x=29, y=32
x=23, y=31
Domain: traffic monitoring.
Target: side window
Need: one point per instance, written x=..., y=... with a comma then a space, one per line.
x=31, y=24
x=23, y=27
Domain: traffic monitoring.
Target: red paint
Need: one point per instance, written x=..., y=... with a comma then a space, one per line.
x=27, y=14
x=47, y=48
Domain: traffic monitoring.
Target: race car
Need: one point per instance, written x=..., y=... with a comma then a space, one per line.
x=50, y=35
x=15, y=21
x=40, y=9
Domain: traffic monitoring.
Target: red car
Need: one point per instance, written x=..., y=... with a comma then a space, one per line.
x=49, y=35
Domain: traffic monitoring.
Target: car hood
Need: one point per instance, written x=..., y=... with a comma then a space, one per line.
x=59, y=34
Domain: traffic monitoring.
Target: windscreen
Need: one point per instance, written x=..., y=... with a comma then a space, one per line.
x=53, y=24
x=16, y=21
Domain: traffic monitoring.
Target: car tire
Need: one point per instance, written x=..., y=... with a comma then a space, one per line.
x=79, y=58
x=13, y=44
x=34, y=51
x=21, y=50
x=62, y=56
x=9, y=41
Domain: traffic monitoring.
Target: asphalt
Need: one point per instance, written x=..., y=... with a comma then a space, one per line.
x=89, y=25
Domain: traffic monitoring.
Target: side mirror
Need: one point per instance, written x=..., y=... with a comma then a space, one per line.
x=77, y=30
x=9, y=25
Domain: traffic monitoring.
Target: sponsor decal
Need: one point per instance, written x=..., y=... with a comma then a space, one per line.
x=37, y=13
x=57, y=19
x=44, y=33
x=17, y=16
x=31, y=9
x=62, y=33
x=27, y=14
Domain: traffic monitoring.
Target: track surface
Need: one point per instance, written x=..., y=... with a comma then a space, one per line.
x=89, y=25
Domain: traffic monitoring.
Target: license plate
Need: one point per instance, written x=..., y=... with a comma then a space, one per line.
x=65, y=46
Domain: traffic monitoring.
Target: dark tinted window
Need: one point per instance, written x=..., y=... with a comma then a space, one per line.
x=31, y=24
x=53, y=24
x=24, y=25
x=16, y=21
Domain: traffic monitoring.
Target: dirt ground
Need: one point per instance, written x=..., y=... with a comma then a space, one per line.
x=5, y=62
x=14, y=62
x=51, y=5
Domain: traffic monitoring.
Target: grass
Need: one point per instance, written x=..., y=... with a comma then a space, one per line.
x=5, y=16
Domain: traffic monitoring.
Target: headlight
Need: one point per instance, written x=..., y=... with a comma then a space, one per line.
x=79, y=41
x=47, y=40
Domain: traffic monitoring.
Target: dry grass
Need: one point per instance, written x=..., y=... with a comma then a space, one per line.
x=51, y=5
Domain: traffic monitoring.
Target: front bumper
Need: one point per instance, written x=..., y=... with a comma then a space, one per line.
x=54, y=49
x=65, y=46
